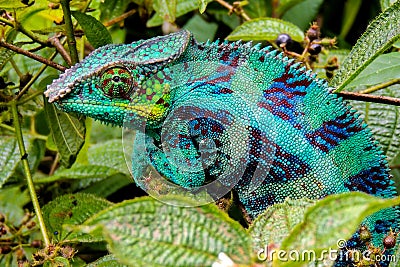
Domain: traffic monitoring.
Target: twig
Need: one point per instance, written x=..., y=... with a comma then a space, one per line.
x=380, y=86
x=7, y=127
x=33, y=56
x=70, y=31
x=60, y=48
x=18, y=27
x=35, y=77
x=119, y=18
x=395, y=166
x=25, y=164
x=231, y=8
x=370, y=98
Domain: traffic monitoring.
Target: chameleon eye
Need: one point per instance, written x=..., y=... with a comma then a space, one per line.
x=116, y=82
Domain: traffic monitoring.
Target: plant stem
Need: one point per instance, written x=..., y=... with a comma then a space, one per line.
x=119, y=18
x=7, y=127
x=34, y=78
x=70, y=31
x=25, y=164
x=33, y=56
x=233, y=8
x=380, y=86
x=370, y=98
x=18, y=27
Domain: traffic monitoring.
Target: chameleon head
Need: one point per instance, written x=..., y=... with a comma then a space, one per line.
x=116, y=82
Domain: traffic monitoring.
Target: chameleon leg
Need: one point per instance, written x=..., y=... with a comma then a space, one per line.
x=171, y=162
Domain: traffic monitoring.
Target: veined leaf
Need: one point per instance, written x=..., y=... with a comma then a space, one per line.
x=384, y=121
x=380, y=35
x=303, y=13
x=114, y=158
x=276, y=223
x=386, y=3
x=9, y=158
x=384, y=68
x=182, y=7
x=112, y=8
x=106, y=261
x=334, y=218
x=81, y=172
x=72, y=210
x=285, y=5
x=265, y=29
x=166, y=9
x=95, y=31
x=68, y=133
x=351, y=9
x=257, y=9
x=5, y=55
x=147, y=232
x=12, y=201
x=12, y=4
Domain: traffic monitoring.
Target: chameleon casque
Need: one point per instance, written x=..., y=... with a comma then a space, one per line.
x=248, y=115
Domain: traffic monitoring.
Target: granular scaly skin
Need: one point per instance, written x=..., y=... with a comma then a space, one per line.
x=230, y=110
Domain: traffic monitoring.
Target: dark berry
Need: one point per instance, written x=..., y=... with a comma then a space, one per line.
x=365, y=234
x=5, y=249
x=36, y=243
x=313, y=32
x=2, y=217
x=389, y=241
x=283, y=39
x=30, y=224
x=3, y=230
x=315, y=49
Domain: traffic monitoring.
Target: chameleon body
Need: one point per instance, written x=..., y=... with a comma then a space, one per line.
x=245, y=115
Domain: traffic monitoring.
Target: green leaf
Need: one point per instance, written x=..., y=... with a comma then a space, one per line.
x=114, y=158
x=166, y=9
x=285, y=5
x=265, y=29
x=95, y=31
x=334, y=218
x=396, y=261
x=72, y=210
x=106, y=261
x=11, y=4
x=81, y=172
x=182, y=7
x=147, y=232
x=12, y=201
x=112, y=8
x=384, y=68
x=351, y=9
x=386, y=3
x=277, y=221
x=68, y=133
x=258, y=9
x=9, y=158
x=106, y=186
x=384, y=121
x=10, y=166
x=303, y=13
x=201, y=29
x=5, y=55
x=379, y=36
x=203, y=5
